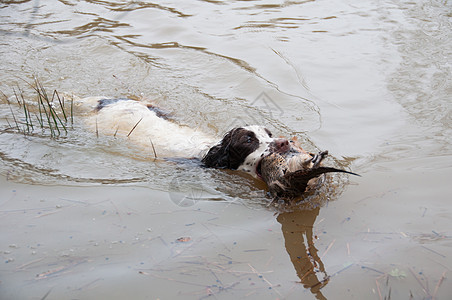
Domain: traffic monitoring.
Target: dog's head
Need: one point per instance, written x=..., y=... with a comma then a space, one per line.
x=243, y=148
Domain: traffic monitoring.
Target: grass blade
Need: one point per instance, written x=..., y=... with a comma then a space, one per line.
x=61, y=104
x=134, y=127
x=40, y=99
x=48, y=113
x=153, y=148
x=52, y=113
x=12, y=113
x=72, y=111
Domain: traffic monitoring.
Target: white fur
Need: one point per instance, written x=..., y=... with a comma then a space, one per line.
x=252, y=160
x=166, y=137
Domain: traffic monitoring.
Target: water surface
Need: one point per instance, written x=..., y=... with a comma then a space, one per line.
x=94, y=217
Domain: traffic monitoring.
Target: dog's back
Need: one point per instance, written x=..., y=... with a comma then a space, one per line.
x=145, y=125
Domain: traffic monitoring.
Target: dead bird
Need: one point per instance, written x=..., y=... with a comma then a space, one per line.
x=288, y=175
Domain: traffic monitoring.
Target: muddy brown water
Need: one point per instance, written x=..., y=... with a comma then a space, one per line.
x=86, y=217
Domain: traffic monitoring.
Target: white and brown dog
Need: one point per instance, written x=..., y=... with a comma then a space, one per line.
x=240, y=149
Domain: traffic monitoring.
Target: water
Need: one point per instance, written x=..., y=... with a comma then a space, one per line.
x=89, y=217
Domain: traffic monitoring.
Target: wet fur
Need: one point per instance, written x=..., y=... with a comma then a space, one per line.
x=152, y=128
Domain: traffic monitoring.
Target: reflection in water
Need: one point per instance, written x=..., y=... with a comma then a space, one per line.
x=297, y=229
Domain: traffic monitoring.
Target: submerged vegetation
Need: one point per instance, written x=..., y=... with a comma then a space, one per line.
x=52, y=115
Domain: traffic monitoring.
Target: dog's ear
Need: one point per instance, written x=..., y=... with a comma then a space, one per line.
x=217, y=157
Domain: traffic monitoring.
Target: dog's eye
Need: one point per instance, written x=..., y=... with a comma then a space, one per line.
x=248, y=139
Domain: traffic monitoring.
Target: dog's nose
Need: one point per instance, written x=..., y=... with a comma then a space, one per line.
x=281, y=145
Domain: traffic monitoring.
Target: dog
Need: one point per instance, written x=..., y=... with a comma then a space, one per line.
x=240, y=149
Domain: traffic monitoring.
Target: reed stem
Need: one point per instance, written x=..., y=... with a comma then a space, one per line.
x=49, y=115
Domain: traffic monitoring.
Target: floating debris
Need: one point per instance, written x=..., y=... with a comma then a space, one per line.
x=183, y=239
